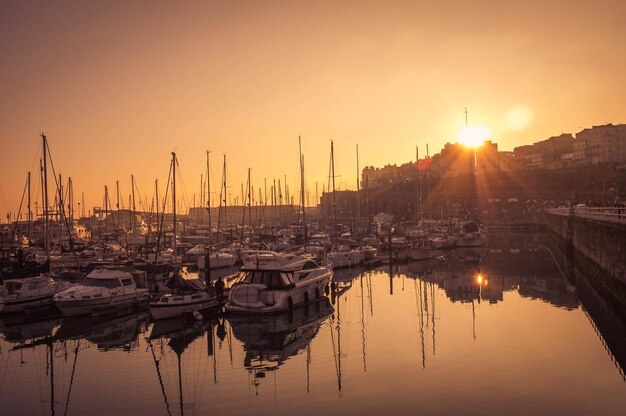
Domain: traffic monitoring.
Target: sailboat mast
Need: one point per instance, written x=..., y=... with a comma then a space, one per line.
x=106, y=207
x=174, y=202
x=132, y=185
x=207, y=254
x=156, y=196
x=302, y=190
x=332, y=168
x=358, y=192
x=117, y=199
x=71, y=200
x=45, y=196
x=250, y=197
x=223, y=196
x=208, y=191
x=29, y=214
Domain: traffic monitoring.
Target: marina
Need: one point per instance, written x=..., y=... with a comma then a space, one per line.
x=305, y=208
x=398, y=338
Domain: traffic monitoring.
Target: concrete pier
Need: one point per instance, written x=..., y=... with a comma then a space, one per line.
x=598, y=247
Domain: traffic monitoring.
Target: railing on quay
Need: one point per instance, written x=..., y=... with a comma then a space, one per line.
x=604, y=214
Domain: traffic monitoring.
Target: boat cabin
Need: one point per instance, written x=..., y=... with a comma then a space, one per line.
x=12, y=287
x=110, y=278
x=273, y=279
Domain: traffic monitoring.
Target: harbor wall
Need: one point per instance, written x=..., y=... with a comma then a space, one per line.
x=597, y=248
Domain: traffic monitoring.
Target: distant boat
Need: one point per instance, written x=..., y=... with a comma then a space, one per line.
x=102, y=290
x=345, y=257
x=218, y=260
x=422, y=250
x=273, y=282
x=17, y=295
x=471, y=235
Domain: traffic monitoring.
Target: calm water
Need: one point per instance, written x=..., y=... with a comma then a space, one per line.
x=424, y=338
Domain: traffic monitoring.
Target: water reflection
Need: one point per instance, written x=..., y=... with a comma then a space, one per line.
x=119, y=331
x=178, y=334
x=269, y=341
x=522, y=262
x=530, y=331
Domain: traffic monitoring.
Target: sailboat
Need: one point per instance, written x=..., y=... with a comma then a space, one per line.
x=189, y=295
x=31, y=290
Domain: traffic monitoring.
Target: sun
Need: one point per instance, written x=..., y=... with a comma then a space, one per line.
x=473, y=136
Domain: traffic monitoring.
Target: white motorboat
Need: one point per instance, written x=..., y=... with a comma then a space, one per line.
x=422, y=250
x=218, y=260
x=101, y=290
x=17, y=295
x=189, y=295
x=271, y=282
x=344, y=257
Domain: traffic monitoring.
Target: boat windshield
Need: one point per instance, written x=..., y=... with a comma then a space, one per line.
x=271, y=278
x=109, y=283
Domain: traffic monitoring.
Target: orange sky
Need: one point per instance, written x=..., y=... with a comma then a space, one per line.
x=117, y=86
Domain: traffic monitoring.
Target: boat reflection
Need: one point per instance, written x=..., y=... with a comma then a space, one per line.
x=524, y=263
x=21, y=328
x=269, y=341
x=178, y=334
x=108, y=332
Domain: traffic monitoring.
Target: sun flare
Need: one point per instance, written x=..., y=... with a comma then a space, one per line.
x=473, y=136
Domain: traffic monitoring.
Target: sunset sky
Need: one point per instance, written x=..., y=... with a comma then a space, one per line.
x=118, y=85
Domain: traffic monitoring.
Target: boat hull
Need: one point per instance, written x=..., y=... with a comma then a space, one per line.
x=20, y=305
x=93, y=306
x=281, y=300
x=166, y=311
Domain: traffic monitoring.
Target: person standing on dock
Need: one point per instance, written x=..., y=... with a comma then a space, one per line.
x=219, y=288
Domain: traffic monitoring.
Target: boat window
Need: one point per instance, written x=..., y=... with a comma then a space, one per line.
x=108, y=283
x=177, y=299
x=13, y=287
x=273, y=279
x=127, y=282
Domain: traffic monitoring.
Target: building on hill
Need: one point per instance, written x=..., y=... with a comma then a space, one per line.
x=388, y=174
x=602, y=144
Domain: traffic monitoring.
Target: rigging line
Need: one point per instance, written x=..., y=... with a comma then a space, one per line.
x=61, y=208
x=139, y=195
x=108, y=198
x=182, y=182
x=19, y=211
x=158, y=242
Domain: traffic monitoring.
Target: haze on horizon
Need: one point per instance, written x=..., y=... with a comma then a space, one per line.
x=116, y=86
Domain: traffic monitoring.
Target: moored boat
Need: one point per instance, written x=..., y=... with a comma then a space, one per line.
x=18, y=295
x=271, y=282
x=345, y=257
x=102, y=290
x=189, y=295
